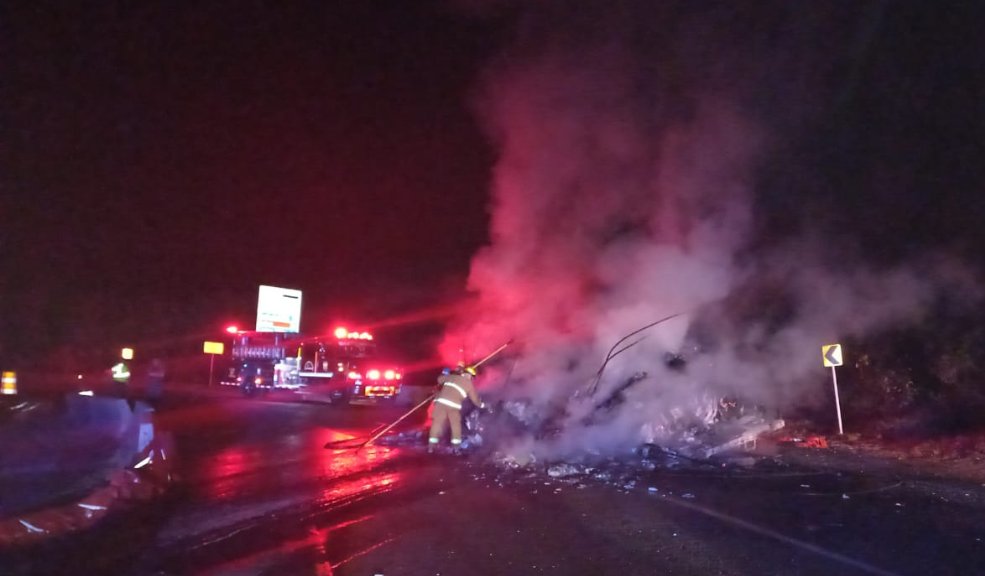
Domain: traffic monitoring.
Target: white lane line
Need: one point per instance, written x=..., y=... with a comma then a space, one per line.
x=806, y=546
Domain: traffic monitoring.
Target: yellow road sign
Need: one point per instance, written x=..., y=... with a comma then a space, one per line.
x=213, y=348
x=831, y=354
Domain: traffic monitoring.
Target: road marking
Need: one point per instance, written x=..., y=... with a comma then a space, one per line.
x=806, y=546
x=362, y=552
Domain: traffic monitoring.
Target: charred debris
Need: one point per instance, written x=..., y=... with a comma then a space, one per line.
x=706, y=431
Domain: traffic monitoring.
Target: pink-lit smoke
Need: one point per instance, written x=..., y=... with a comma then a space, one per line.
x=624, y=192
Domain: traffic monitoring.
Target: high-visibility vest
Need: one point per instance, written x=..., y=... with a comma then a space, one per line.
x=121, y=373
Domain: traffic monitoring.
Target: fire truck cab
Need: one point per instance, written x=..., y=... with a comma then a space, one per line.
x=343, y=368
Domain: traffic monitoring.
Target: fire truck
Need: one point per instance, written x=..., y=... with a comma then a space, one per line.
x=342, y=368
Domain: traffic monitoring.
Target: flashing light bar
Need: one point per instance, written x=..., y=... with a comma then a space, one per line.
x=380, y=391
x=342, y=334
x=375, y=374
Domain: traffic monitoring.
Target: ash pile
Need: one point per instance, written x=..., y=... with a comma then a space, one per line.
x=527, y=447
x=566, y=423
x=706, y=429
x=614, y=429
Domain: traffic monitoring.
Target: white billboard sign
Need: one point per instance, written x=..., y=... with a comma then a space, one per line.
x=278, y=310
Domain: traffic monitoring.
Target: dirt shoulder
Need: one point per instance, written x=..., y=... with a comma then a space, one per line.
x=959, y=458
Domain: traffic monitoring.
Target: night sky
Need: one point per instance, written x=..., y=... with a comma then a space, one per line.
x=159, y=161
x=162, y=160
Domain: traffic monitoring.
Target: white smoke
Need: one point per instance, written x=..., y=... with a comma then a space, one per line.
x=624, y=192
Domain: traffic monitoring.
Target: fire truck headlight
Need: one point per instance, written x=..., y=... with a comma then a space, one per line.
x=389, y=374
x=373, y=374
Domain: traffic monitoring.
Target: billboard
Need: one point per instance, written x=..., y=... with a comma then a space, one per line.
x=278, y=310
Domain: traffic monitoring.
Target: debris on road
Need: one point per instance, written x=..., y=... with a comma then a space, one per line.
x=562, y=470
x=804, y=442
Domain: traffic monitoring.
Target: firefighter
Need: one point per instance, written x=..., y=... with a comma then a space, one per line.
x=453, y=389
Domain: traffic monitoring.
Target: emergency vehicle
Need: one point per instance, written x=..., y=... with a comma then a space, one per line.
x=342, y=368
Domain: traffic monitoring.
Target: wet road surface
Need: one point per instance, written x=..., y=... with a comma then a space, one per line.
x=259, y=494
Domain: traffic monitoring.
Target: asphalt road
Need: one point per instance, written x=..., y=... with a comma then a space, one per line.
x=259, y=494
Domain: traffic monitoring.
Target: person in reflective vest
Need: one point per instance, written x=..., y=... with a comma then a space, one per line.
x=121, y=377
x=121, y=373
x=447, y=406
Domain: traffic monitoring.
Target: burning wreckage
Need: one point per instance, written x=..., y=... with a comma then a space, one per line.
x=612, y=424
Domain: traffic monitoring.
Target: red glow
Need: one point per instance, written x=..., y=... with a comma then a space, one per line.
x=373, y=374
x=232, y=329
x=425, y=315
x=389, y=374
x=341, y=332
x=355, y=375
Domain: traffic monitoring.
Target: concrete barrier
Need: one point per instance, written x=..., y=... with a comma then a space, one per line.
x=88, y=451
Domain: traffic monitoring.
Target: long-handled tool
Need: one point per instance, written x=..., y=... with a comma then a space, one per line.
x=395, y=422
x=491, y=355
x=426, y=400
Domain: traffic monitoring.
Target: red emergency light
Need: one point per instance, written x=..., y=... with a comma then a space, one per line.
x=232, y=329
x=373, y=374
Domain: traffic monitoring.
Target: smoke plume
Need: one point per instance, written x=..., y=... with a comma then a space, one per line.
x=631, y=141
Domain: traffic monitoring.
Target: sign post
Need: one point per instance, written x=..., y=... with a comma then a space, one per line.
x=212, y=349
x=831, y=354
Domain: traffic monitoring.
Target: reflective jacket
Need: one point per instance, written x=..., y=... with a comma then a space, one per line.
x=121, y=373
x=454, y=389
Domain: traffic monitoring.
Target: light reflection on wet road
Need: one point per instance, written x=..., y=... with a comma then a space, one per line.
x=265, y=488
x=260, y=494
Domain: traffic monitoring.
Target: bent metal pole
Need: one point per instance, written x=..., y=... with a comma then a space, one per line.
x=395, y=422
